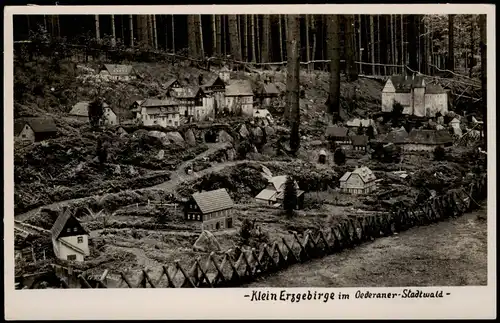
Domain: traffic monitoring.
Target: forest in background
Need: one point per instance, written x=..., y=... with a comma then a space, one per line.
x=449, y=46
x=373, y=39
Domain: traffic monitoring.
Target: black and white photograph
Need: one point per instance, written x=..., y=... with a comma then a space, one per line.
x=251, y=151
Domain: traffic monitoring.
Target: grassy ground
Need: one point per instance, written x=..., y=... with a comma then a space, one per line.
x=451, y=253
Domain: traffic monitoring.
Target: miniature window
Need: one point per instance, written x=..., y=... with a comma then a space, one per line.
x=170, y=121
x=80, y=239
x=68, y=230
x=23, y=135
x=75, y=229
x=198, y=217
x=71, y=257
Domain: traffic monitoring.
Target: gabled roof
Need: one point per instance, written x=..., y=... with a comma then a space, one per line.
x=210, y=81
x=359, y=140
x=345, y=177
x=149, y=103
x=429, y=137
x=336, y=131
x=398, y=136
x=81, y=109
x=434, y=89
x=37, y=124
x=281, y=195
x=267, y=194
x=188, y=92
x=169, y=83
x=61, y=221
x=365, y=173
x=119, y=70
x=213, y=201
x=356, y=122
x=239, y=88
x=270, y=89
x=406, y=82
x=278, y=181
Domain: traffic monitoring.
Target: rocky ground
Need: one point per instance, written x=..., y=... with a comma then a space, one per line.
x=123, y=201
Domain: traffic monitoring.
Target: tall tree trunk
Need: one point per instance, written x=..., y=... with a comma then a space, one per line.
x=403, y=62
x=192, y=36
x=214, y=35
x=266, y=37
x=482, y=45
x=451, y=36
x=131, y=27
x=293, y=80
x=471, y=64
x=372, y=44
x=45, y=22
x=150, y=31
x=122, y=33
x=113, y=31
x=314, y=32
x=245, y=37
x=200, y=32
x=350, y=52
x=281, y=38
x=422, y=37
x=377, y=53
x=143, y=29
x=58, y=26
x=257, y=36
x=308, y=48
x=234, y=38
x=393, y=44
x=173, y=34
x=219, y=35
x=97, y=29
x=224, y=33
x=252, y=31
x=155, y=32
x=360, y=42
x=333, y=43
x=412, y=42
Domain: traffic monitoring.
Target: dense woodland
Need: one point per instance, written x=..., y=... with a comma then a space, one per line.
x=438, y=45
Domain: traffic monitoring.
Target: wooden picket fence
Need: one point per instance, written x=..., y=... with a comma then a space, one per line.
x=225, y=272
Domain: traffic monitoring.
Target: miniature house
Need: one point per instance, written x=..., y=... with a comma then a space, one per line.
x=164, y=112
x=338, y=136
x=360, y=181
x=239, y=97
x=80, y=112
x=416, y=97
x=69, y=239
x=213, y=210
x=359, y=142
x=34, y=129
x=427, y=140
x=273, y=193
x=269, y=94
x=214, y=87
x=322, y=157
x=118, y=72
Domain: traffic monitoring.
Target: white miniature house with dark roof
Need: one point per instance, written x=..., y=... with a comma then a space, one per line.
x=69, y=238
x=359, y=181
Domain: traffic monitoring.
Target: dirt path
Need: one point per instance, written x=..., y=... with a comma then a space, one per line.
x=451, y=253
x=177, y=177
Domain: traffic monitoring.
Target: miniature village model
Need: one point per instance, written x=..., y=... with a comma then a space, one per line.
x=201, y=157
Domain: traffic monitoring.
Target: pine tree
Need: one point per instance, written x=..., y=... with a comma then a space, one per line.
x=339, y=156
x=290, y=196
x=96, y=112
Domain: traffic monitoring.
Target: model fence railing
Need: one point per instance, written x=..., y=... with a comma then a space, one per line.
x=225, y=271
